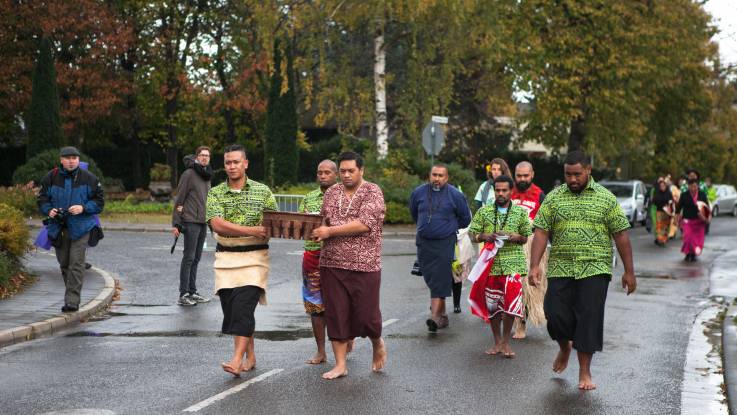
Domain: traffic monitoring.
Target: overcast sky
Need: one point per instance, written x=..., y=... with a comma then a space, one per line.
x=724, y=13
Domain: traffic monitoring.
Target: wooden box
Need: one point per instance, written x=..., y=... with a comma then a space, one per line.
x=290, y=225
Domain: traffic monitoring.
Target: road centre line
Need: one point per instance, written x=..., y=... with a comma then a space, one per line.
x=390, y=321
x=235, y=389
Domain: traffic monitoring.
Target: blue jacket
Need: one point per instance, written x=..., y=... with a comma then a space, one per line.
x=439, y=214
x=61, y=189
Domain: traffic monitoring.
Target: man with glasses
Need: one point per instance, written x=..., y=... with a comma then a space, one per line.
x=188, y=218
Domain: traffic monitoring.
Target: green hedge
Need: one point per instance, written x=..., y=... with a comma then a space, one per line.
x=36, y=167
x=21, y=198
x=397, y=213
x=9, y=266
x=13, y=231
x=127, y=206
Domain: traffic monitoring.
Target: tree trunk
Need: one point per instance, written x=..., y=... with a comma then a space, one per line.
x=170, y=110
x=227, y=112
x=577, y=134
x=382, y=129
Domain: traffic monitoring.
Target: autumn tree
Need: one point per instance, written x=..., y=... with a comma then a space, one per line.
x=596, y=70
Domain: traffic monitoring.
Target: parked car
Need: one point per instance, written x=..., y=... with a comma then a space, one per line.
x=631, y=196
x=726, y=200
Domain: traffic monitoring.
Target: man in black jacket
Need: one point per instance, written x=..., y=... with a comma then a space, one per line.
x=188, y=217
x=69, y=198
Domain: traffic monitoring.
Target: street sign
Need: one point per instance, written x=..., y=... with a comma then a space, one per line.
x=439, y=119
x=433, y=138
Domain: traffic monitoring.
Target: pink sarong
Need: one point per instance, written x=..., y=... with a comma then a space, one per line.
x=693, y=236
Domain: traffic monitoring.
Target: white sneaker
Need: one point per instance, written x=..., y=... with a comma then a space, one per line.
x=186, y=300
x=198, y=298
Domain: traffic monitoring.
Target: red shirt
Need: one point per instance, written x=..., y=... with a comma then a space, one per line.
x=529, y=200
x=360, y=252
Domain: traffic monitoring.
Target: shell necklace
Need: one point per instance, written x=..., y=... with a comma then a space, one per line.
x=350, y=202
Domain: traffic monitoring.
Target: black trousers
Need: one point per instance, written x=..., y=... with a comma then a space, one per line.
x=194, y=240
x=575, y=311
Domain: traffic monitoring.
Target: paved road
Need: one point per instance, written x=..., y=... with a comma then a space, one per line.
x=149, y=356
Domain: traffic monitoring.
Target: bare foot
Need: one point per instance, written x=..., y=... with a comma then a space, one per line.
x=585, y=382
x=493, y=350
x=379, y=357
x=335, y=373
x=507, y=350
x=317, y=359
x=520, y=333
x=230, y=368
x=248, y=365
x=561, y=361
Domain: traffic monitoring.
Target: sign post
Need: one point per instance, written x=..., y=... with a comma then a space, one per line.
x=433, y=136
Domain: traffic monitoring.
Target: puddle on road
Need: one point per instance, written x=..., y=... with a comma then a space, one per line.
x=270, y=335
x=141, y=305
x=656, y=276
x=110, y=314
x=703, y=375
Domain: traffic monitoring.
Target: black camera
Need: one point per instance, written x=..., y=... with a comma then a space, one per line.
x=60, y=217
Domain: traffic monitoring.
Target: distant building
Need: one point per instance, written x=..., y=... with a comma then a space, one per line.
x=533, y=149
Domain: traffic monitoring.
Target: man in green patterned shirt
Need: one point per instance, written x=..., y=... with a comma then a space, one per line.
x=327, y=175
x=502, y=286
x=580, y=218
x=235, y=211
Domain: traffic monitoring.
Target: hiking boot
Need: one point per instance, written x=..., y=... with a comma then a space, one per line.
x=186, y=300
x=196, y=297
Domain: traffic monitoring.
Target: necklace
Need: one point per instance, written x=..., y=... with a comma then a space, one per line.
x=432, y=209
x=496, y=213
x=350, y=202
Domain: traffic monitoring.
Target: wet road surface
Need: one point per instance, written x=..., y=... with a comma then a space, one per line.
x=148, y=355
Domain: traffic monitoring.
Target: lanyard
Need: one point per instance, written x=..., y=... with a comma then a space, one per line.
x=431, y=209
x=496, y=213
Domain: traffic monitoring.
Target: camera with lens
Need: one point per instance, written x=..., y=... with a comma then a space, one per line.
x=60, y=217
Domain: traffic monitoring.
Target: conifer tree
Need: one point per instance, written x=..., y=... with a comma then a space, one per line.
x=281, y=156
x=44, y=127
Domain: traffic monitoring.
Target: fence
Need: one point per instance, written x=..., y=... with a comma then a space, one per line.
x=288, y=203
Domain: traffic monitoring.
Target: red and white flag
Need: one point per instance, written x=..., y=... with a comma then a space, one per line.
x=479, y=276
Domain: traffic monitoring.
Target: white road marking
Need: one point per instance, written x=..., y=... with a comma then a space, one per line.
x=390, y=321
x=235, y=389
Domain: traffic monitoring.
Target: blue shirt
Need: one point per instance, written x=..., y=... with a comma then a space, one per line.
x=439, y=214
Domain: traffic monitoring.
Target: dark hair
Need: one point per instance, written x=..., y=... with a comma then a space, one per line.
x=692, y=181
x=689, y=171
x=440, y=165
x=236, y=147
x=504, y=179
x=577, y=157
x=350, y=155
x=200, y=149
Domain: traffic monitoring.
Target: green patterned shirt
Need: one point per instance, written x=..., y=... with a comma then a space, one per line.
x=510, y=259
x=581, y=228
x=244, y=207
x=312, y=203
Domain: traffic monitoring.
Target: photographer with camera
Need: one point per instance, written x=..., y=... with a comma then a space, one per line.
x=70, y=197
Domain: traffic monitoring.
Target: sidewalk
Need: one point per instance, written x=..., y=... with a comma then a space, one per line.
x=389, y=230
x=37, y=310
x=723, y=278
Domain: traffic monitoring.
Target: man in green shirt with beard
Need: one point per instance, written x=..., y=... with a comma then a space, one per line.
x=580, y=218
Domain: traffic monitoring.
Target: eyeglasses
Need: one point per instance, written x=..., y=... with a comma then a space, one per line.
x=203, y=155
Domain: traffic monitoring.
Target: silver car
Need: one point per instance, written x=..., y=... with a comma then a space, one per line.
x=726, y=200
x=631, y=196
